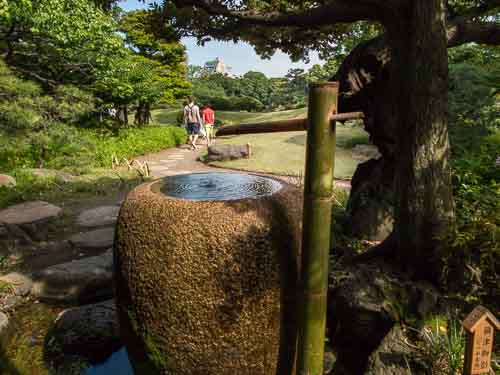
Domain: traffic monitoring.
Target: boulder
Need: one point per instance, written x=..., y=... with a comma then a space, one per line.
x=394, y=357
x=94, y=240
x=58, y=176
x=30, y=221
x=91, y=331
x=364, y=304
x=227, y=152
x=84, y=280
x=370, y=206
x=98, y=217
x=7, y=181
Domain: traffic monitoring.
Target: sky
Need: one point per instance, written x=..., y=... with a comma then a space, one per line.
x=239, y=57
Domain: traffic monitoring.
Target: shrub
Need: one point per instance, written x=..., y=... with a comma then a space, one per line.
x=443, y=345
x=473, y=252
x=61, y=146
x=134, y=141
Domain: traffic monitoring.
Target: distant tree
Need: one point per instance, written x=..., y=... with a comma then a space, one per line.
x=163, y=47
x=256, y=85
x=194, y=72
x=56, y=41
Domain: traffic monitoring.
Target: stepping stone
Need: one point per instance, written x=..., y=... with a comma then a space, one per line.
x=29, y=221
x=7, y=181
x=87, y=279
x=98, y=217
x=95, y=239
x=90, y=331
x=29, y=213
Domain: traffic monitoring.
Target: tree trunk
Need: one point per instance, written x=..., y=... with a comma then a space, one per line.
x=424, y=206
x=125, y=114
x=399, y=81
x=143, y=114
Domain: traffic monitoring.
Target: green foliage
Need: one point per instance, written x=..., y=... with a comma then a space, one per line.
x=471, y=89
x=24, y=107
x=131, y=79
x=56, y=41
x=157, y=41
x=443, y=345
x=62, y=146
x=473, y=247
x=134, y=141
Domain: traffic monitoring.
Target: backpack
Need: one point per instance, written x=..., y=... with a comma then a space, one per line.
x=191, y=113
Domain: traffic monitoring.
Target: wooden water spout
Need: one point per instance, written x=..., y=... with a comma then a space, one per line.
x=296, y=124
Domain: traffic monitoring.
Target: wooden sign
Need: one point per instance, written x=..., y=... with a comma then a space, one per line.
x=480, y=325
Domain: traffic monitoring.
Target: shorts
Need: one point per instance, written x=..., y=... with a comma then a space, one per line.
x=209, y=128
x=193, y=128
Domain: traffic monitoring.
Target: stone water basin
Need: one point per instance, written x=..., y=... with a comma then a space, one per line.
x=206, y=274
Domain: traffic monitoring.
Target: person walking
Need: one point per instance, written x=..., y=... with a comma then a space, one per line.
x=193, y=121
x=208, y=115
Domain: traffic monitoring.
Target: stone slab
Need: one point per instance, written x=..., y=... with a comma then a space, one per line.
x=95, y=239
x=29, y=213
x=98, y=217
x=7, y=181
x=88, y=279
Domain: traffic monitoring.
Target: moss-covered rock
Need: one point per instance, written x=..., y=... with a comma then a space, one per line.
x=208, y=287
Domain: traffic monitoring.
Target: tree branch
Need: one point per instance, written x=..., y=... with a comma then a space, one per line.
x=35, y=76
x=336, y=11
x=479, y=32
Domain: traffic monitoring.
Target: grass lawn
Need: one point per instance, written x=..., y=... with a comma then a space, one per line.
x=169, y=116
x=280, y=153
x=284, y=153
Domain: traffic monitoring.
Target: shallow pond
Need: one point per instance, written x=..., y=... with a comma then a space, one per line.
x=217, y=186
x=117, y=364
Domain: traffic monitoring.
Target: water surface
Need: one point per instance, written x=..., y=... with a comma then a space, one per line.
x=116, y=364
x=217, y=186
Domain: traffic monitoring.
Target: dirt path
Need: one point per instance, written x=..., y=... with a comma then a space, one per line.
x=177, y=160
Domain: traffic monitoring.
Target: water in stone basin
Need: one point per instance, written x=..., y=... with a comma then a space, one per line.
x=211, y=186
x=217, y=186
x=117, y=364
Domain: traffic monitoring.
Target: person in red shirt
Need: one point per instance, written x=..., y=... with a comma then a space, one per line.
x=208, y=116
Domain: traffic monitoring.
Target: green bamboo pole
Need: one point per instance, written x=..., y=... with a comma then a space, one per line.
x=318, y=188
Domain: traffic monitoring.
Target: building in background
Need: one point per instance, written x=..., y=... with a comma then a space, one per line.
x=217, y=66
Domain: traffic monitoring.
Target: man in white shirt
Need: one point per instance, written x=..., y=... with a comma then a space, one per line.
x=193, y=121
